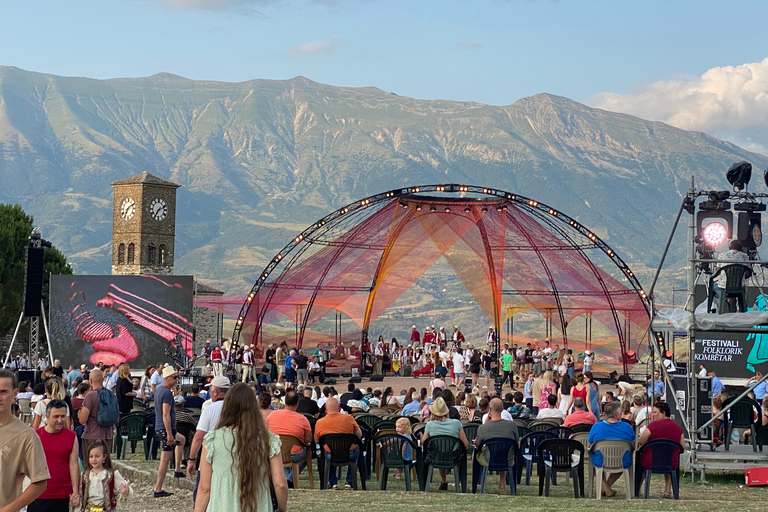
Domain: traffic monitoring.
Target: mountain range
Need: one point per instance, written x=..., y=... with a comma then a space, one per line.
x=260, y=160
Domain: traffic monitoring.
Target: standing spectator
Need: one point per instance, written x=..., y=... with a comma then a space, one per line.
x=336, y=423
x=57, y=369
x=240, y=457
x=717, y=385
x=662, y=427
x=165, y=429
x=289, y=422
x=290, y=367
x=655, y=387
x=61, y=453
x=124, y=390
x=111, y=382
x=458, y=368
x=587, y=361
x=302, y=367
x=89, y=412
x=194, y=400
x=100, y=482
x=146, y=384
x=761, y=389
x=271, y=362
x=496, y=427
x=612, y=428
x=280, y=354
x=593, y=395
x=157, y=378
x=72, y=376
x=21, y=454
x=77, y=401
x=53, y=391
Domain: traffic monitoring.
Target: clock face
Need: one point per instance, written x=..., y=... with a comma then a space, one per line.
x=158, y=209
x=128, y=208
x=757, y=234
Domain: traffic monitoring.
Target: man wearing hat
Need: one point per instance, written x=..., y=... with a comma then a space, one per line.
x=457, y=337
x=587, y=361
x=206, y=352
x=428, y=338
x=165, y=429
x=490, y=340
x=415, y=336
x=216, y=361
x=440, y=424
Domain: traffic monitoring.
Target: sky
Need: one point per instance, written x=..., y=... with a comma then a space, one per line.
x=698, y=65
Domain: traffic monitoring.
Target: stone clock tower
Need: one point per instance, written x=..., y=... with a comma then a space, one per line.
x=143, y=225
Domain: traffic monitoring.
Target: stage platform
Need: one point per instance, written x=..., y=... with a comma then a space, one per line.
x=738, y=458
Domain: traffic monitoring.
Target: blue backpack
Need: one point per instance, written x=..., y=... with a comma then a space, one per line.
x=108, y=412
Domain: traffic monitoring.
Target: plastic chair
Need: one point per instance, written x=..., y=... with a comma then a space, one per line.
x=585, y=460
x=542, y=425
x=762, y=436
x=392, y=408
x=339, y=446
x=26, y=410
x=662, y=452
x=440, y=449
x=417, y=430
x=374, y=450
x=391, y=457
x=138, y=405
x=521, y=422
x=735, y=275
x=742, y=415
x=368, y=419
x=366, y=436
x=561, y=432
x=378, y=411
x=556, y=455
x=523, y=431
x=581, y=427
x=529, y=451
x=498, y=460
x=470, y=431
x=131, y=428
x=414, y=419
x=613, y=454
x=288, y=442
x=383, y=424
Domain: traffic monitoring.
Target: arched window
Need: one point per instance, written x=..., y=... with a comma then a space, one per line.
x=151, y=254
x=121, y=254
x=161, y=254
x=130, y=254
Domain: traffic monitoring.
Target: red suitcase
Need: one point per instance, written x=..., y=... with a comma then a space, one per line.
x=754, y=477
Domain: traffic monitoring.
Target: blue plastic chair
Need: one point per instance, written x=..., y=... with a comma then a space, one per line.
x=498, y=453
x=662, y=452
x=529, y=451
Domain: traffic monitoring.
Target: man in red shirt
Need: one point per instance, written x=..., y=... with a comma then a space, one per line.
x=61, y=452
x=579, y=416
x=662, y=427
x=288, y=422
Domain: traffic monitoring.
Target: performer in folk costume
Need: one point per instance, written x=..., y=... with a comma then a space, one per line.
x=491, y=339
x=415, y=336
x=247, y=364
x=457, y=337
x=216, y=361
x=429, y=337
x=100, y=484
x=442, y=338
x=206, y=352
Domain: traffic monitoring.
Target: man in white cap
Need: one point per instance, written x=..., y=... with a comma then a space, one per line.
x=165, y=429
x=491, y=338
x=442, y=338
x=415, y=336
x=457, y=337
x=247, y=364
x=216, y=361
x=209, y=418
x=205, y=353
x=428, y=338
x=587, y=361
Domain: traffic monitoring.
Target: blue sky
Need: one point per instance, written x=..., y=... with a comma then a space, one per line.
x=606, y=53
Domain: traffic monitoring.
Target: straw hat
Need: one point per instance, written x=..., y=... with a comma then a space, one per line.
x=438, y=407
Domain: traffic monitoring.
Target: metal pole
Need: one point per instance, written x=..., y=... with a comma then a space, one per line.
x=666, y=247
x=690, y=302
x=45, y=327
x=724, y=409
x=13, y=340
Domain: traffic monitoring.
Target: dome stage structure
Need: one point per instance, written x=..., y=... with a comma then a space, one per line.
x=512, y=253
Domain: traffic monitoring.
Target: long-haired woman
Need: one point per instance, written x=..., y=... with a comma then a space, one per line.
x=124, y=390
x=240, y=457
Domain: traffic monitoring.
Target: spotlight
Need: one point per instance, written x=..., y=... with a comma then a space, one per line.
x=715, y=233
x=432, y=208
x=630, y=357
x=739, y=174
x=466, y=209
x=485, y=210
x=418, y=207
x=447, y=209
x=403, y=204
x=750, y=233
x=498, y=208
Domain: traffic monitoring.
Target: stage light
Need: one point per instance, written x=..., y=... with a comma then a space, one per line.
x=432, y=208
x=418, y=207
x=750, y=233
x=715, y=233
x=404, y=204
x=447, y=209
x=467, y=209
x=485, y=210
x=498, y=208
x=739, y=174
x=630, y=357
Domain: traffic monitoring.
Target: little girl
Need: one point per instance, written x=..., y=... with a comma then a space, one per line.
x=396, y=361
x=100, y=484
x=403, y=427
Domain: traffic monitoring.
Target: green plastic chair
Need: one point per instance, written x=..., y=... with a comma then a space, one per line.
x=391, y=457
x=439, y=450
x=369, y=419
x=470, y=430
x=742, y=415
x=734, y=288
x=131, y=428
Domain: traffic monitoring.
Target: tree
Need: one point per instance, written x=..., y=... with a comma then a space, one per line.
x=15, y=229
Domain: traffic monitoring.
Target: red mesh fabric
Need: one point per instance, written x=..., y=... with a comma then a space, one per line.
x=504, y=257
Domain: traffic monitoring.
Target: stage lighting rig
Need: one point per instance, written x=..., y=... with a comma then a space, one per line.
x=714, y=221
x=739, y=174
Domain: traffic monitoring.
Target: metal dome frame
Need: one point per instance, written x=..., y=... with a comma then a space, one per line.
x=559, y=222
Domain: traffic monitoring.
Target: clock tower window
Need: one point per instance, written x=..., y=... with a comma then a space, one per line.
x=151, y=254
x=161, y=257
x=131, y=251
x=121, y=254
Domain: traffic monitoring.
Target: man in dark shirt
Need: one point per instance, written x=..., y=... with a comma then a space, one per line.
x=307, y=405
x=302, y=367
x=165, y=429
x=271, y=362
x=57, y=369
x=346, y=397
x=193, y=401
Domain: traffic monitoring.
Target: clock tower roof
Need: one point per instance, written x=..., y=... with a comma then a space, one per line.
x=145, y=178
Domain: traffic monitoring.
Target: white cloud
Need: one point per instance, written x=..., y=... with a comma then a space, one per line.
x=317, y=47
x=729, y=102
x=470, y=45
x=218, y=5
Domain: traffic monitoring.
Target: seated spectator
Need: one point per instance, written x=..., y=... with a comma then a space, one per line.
x=356, y=403
x=24, y=391
x=611, y=428
x=289, y=422
x=265, y=405
x=307, y=405
x=412, y=407
x=519, y=410
x=336, y=423
x=193, y=399
x=344, y=398
x=579, y=416
x=662, y=427
x=552, y=410
x=492, y=429
x=468, y=410
x=440, y=424
x=277, y=402
x=179, y=403
x=450, y=401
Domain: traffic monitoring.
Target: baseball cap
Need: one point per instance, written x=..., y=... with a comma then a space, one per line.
x=179, y=399
x=220, y=382
x=168, y=371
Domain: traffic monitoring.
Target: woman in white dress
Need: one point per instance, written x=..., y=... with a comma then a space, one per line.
x=564, y=393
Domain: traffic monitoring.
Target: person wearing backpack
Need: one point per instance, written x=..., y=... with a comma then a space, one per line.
x=99, y=412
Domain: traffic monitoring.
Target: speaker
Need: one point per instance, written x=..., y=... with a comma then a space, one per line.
x=356, y=379
x=31, y=376
x=330, y=381
x=33, y=281
x=377, y=378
